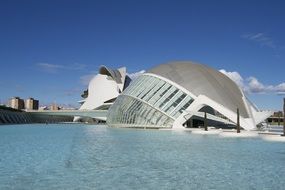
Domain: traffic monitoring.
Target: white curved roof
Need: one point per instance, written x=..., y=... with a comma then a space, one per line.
x=203, y=80
x=115, y=74
x=100, y=89
x=106, y=85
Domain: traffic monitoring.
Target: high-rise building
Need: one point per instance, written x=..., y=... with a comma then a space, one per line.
x=54, y=107
x=31, y=104
x=17, y=103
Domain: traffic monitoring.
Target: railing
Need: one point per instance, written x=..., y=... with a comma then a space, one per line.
x=189, y=114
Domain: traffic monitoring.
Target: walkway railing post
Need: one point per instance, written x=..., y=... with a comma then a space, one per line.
x=279, y=117
x=205, y=121
x=238, y=125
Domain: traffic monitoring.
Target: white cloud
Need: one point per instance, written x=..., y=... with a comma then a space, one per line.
x=136, y=74
x=54, y=68
x=235, y=76
x=257, y=87
x=253, y=85
x=281, y=87
x=260, y=38
x=281, y=93
x=50, y=68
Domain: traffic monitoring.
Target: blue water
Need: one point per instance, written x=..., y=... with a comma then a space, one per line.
x=97, y=157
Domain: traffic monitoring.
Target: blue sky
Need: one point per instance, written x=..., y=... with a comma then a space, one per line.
x=48, y=49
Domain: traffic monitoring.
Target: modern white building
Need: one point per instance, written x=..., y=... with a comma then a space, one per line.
x=171, y=96
x=103, y=89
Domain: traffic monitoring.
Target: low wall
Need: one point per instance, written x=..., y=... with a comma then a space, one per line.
x=18, y=117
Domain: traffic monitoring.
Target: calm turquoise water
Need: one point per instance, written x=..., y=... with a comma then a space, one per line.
x=96, y=157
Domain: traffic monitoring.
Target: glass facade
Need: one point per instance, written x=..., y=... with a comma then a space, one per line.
x=148, y=102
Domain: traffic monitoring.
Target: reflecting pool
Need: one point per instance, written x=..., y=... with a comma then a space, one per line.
x=74, y=156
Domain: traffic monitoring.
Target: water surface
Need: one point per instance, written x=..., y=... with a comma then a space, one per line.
x=73, y=156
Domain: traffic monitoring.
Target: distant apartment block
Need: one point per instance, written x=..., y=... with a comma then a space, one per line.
x=54, y=107
x=32, y=104
x=17, y=103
